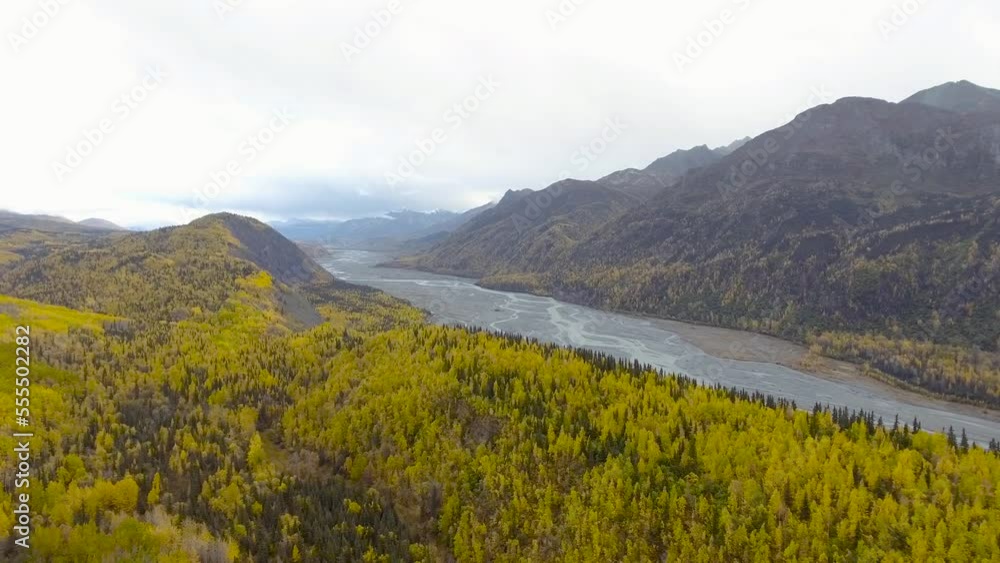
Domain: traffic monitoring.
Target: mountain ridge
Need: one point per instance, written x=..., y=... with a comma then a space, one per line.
x=961, y=96
x=54, y=223
x=857, y=217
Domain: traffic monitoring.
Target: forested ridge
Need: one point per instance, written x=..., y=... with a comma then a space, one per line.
x=219, y=426
x=867, y=229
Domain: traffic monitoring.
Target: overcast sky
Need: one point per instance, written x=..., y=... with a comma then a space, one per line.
x=154, y=112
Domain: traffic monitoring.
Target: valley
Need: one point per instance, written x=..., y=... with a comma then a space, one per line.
x=507, y=284
x=710, y=355
x=210, y=392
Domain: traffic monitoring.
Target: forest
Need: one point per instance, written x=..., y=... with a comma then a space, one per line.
x=263, y=416
x=897, y=284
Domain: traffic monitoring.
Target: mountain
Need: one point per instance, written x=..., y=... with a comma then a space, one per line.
x=26, y=236
x=667, y=170
x=411, y=231
x=414, y=232
x=731, y=147
x=264, y=247
x=860, y=217
x=101, y=224
x=44, y=223
x=174, y=272
x=371, y=232
x=454, y=222
x=54, y=224
x=638, y=183
x=399, y=225
x=962, y=96
x=675, y=165
x=527, y=228
x=428, y=238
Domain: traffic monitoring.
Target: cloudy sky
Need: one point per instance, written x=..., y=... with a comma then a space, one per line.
x=153, y=112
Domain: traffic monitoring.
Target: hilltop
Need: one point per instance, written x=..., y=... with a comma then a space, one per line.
x=961, y=96
x=101, y=224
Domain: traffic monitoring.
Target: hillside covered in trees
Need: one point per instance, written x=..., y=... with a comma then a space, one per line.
x=865, y=228
x=217, y=425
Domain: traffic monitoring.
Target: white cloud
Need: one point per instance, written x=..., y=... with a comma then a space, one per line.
x=356, y=119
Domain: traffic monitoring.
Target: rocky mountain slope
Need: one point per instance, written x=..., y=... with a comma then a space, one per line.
x=529, y=228
x=861, y=217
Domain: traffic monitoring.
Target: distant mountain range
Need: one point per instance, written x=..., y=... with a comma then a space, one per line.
x=861, y=216
x=413, y=230
x=52, y=223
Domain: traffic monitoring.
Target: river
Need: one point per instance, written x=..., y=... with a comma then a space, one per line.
x=459, y=301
